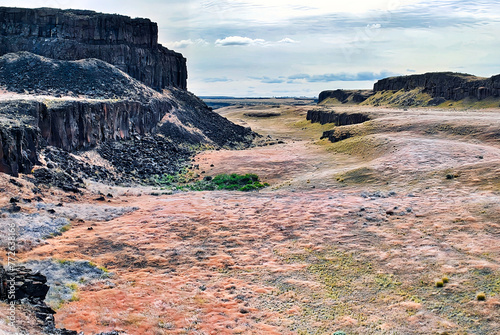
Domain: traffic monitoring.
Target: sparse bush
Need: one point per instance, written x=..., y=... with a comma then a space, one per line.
x=65, y=228
x=445, y=280
x=72, y=286
x=439, y=283
x=481, y=296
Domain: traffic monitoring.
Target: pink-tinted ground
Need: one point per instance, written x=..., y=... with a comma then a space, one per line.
x=351, y=236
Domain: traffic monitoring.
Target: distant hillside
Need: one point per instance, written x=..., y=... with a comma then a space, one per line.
x=444, y=89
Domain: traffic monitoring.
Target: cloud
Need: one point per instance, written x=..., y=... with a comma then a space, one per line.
x=216, y=80
x=299, y=76
x=243, y=41
x=238, y=40
x=267, y=80
x=186, y=43
x=411, y=70
x=342, y=76
x=287, y=40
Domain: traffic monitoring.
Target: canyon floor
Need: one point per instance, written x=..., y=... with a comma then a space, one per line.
x=351, y=236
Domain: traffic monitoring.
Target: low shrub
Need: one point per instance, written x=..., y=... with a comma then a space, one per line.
x=231, y=182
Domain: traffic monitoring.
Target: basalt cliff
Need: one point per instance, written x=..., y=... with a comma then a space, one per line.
x=443, y=89
x=132, y=90
x=129, y=44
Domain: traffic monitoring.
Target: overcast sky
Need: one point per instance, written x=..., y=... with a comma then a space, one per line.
x=299, y=48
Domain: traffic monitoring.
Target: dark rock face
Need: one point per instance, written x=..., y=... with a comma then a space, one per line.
x=71, y=125
x=446, y=85
x=339, y=119
x=346, y=96
x=129, y=44
x=19, y=283
x=18, y=147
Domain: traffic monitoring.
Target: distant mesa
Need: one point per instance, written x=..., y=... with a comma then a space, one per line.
x=430, y=89
x=344, y=96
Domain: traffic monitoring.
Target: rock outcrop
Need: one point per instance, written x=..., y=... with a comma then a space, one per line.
x=345, y=96
x=447, y=85
x=129, y=44
x=20, y=285
x=75, y=119
x=19, y=141
x=339, y=119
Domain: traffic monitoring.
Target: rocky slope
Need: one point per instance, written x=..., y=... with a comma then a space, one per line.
x=75, y=105
x=129, y=44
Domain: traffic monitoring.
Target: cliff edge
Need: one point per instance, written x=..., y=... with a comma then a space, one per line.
x=129, y=44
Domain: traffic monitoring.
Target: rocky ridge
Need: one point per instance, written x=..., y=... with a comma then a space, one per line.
x=129, y=44
x=429, y=89
x=448, y=85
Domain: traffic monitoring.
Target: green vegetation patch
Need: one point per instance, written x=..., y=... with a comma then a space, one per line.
x=231, y=182
x=400, y=98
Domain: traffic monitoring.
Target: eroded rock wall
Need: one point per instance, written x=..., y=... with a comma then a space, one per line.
x=71, y=125
x=130, y=44
x=339, y=119
x=18, y=148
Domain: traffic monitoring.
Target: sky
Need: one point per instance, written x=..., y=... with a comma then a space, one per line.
x=300, y=48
